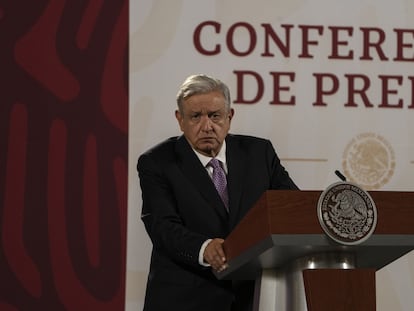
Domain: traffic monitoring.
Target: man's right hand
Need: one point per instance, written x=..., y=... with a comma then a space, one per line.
x=214, y=255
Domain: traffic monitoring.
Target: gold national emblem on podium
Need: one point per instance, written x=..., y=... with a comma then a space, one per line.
x=347, y=213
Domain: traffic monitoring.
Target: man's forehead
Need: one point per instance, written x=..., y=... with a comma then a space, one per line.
x=210, y=104
x=210, y=96
x=205, y=109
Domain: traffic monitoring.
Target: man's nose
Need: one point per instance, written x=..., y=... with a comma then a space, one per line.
x=206, y=123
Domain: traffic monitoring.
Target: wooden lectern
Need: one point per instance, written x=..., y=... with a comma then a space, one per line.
x=281, y=245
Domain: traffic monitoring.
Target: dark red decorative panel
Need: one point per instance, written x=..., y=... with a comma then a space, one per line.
x=63, y=154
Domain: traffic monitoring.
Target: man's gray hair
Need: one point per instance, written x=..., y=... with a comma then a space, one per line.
x=201, y=84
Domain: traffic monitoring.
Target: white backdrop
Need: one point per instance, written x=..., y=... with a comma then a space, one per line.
x=345, y=67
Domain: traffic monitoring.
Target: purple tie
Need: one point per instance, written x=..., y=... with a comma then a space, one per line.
x=220, y=181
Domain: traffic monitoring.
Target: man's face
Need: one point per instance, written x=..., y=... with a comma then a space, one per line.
x=205, y=122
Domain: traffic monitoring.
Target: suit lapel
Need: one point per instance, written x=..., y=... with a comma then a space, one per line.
x=197, y=174
x=236, y=163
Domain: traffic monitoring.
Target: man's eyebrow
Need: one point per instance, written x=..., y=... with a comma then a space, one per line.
x=215, y=111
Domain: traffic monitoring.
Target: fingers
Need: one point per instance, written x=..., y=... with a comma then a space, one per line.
x=215, y=256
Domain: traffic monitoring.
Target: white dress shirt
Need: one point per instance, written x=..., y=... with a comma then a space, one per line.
x=221, y=156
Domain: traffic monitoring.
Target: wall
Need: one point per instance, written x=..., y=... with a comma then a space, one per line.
x=63, y=154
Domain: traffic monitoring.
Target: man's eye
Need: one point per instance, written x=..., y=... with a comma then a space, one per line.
x=215, y=116
x=195, y=117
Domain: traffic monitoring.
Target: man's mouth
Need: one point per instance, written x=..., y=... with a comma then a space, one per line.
x=207, y=139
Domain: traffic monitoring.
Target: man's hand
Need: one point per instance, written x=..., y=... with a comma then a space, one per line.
x=214, y=255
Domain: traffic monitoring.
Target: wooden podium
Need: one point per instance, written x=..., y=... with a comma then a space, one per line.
x=282, y=246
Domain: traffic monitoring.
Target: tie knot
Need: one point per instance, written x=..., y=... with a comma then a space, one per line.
x=214, y=163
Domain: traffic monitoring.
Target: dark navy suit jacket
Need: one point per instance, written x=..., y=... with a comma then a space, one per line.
x=181, y=209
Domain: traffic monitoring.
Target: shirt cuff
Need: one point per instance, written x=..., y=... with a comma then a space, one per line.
x=201, y=254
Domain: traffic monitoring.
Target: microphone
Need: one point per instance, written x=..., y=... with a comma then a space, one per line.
x=339, y=174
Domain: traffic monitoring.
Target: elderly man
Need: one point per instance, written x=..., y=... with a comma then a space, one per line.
x=195, y=190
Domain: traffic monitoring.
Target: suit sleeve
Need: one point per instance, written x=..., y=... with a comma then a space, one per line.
x=280, y=178
x=161, y=219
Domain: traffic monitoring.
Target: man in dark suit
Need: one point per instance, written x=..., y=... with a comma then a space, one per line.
x=186, y=217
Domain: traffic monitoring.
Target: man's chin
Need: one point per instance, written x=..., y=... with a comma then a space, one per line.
x=208, y=149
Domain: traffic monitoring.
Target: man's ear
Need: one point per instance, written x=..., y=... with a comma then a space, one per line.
x=231, y=114
x=179, y=118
